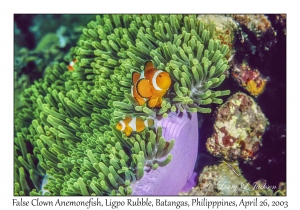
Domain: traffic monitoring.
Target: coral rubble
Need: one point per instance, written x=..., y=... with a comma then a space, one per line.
x=281, y=189
x=239, y=127
x=257, y=23
x=249, y=78
x=219, y=180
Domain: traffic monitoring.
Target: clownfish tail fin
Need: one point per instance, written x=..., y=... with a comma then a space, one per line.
x=149, y=122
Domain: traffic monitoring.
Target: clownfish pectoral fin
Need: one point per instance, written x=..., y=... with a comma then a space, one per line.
x=135, y=77
x=148, y=65
x=152, y=102
x=128, y=131
x=143, y=88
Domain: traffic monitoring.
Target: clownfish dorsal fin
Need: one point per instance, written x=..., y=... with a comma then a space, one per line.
x=127, y=116
x=134, y=77
x=126, y=119
x=148, y=65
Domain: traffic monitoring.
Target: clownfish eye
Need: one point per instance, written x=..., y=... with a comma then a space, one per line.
x=159, y=75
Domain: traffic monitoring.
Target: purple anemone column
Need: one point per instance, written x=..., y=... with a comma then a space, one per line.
x=172, y=178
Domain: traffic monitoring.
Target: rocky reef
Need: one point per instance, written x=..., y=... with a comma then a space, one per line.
x=258, y=65
x=219, y=180
x=248, y=78
x=239, y=127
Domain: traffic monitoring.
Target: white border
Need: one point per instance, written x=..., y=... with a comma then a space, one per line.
x=154, y=6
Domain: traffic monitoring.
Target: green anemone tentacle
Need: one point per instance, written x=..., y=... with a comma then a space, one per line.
x=65, y=125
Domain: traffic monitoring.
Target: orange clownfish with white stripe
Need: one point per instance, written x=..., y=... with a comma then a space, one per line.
x=150, y=85
x=130, y=124
x=71, y=64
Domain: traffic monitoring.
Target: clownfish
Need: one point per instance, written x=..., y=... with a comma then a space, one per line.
x=151, y=84
x=130, y=124
x=71, y=64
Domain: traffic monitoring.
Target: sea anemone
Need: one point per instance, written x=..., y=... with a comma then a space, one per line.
x=66, y=125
